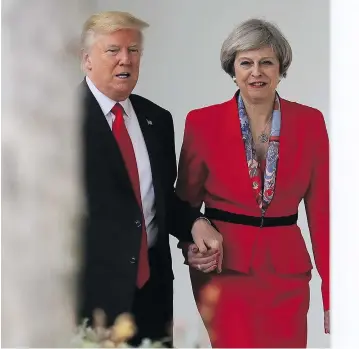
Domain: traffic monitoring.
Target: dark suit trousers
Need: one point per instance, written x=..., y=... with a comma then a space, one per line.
x=153, y=304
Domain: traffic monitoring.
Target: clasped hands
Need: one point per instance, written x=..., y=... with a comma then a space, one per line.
x=206, y=253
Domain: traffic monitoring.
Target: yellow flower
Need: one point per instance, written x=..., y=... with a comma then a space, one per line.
x=208, y=300
x=108, y=344
x=210, y=294
x=212, y=334
x=207, y=312
x=123, y=329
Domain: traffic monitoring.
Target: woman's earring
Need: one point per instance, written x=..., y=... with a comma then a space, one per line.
x=234, y=79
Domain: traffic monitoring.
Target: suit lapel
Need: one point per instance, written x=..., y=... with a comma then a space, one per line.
x=103, y=142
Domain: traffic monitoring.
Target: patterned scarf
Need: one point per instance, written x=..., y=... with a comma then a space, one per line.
x=264, y=192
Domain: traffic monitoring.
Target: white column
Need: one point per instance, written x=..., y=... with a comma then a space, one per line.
x=41, y=184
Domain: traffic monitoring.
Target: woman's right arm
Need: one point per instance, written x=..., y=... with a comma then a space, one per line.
x=192, y=171
x=192, y=174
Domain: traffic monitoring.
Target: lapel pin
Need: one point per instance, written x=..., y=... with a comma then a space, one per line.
x=149, y=122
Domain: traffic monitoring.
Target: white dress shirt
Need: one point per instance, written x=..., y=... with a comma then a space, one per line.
x=141, y=154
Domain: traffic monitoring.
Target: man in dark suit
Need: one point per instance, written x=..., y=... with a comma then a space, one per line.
x=129, y=174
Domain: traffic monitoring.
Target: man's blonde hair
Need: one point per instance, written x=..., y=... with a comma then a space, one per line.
x=108, y=22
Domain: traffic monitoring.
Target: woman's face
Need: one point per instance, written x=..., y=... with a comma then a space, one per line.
x=257, y=74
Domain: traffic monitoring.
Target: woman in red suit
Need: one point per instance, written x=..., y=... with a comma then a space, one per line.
x=251, y=161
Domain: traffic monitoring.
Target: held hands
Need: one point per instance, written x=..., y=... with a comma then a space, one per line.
x=209, y=243
x=205, y=262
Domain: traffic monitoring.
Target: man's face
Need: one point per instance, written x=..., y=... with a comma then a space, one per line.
x=113, y=62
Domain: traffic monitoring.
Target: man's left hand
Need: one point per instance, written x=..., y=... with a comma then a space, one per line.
x=206, y=237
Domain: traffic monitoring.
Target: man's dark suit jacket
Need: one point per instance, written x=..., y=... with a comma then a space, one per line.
x=111, y=234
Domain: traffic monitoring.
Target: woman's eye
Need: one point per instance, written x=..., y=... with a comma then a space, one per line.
x=244, y=63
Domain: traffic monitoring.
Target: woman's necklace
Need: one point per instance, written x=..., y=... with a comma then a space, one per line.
x=264, y=137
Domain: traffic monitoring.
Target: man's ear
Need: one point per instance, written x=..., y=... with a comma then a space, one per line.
x=86, y=61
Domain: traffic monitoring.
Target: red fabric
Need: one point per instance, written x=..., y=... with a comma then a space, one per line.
x=124, y=142
x=213, y=170
x=261, y=309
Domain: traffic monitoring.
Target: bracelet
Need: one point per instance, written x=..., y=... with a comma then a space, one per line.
x=206, y=219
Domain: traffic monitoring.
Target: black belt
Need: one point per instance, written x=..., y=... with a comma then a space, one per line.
x=261, y=222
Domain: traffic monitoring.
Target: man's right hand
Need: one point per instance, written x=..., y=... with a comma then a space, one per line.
x=205, y=262
x=208, y=240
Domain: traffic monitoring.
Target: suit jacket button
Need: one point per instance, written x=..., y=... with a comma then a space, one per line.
x=138, y=223
x=133, y=260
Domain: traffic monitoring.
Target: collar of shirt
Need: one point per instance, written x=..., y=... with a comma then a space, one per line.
x=107, y=103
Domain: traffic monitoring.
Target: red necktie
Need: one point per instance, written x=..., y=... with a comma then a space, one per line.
x=119, y=130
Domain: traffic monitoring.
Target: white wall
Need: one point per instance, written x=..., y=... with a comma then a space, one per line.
x=181, y=71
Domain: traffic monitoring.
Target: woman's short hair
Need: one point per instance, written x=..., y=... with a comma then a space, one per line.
x=108, y=22
x=254, y=34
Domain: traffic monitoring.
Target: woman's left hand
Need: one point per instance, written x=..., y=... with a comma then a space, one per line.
x=327, y=321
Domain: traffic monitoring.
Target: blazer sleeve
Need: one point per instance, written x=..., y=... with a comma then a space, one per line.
x=192, y=170
x=316, y=202
x=181, y=214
